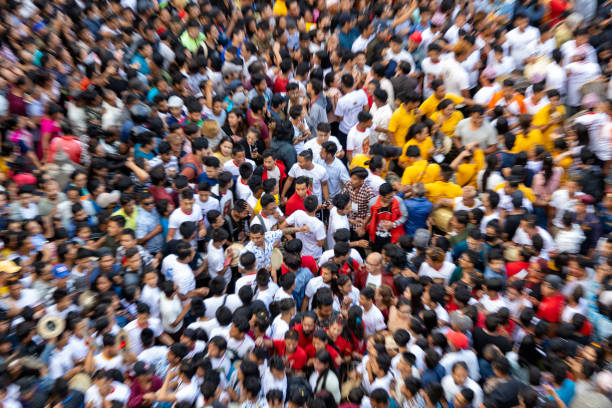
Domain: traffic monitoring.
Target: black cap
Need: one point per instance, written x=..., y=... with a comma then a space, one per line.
x=142, y=368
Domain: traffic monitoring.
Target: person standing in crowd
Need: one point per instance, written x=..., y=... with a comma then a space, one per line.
x=408, y=204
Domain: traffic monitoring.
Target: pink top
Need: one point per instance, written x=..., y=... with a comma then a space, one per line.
x=48, y=126
x=541, y=189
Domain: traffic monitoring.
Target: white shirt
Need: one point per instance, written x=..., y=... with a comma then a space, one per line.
x=467, y=356
x=601, y=143
x=569, y=50
x=518, y=40
x=445, y=271
x=187, y=392
x=183, y=277
x=336, y=222
x=373, y=320
x=278, y=328
x=93, y=395
x=154, y=355
x=329, y=254
x=492, y=305
x=171, y=309
x=103, y=363
x=240, y=347
x=451, y=389
x=246, y=280
x=232, y=167
x=361, y=43
x=485, y=94
x=232, y=302
x=556, y=78
x=431, y=70
x=133, y=331
x=571, y=240
x=242, y=190
x=456, y=78
x=311, y=238
x=373, y=281
x=578, y=74
x=312, y=286
x=268, y=221
x=151, y=296
x=216, y=259
x=561, y=201
x=317, y=175
x=316, y=148
x=349, y=106
x=374, y=181
x=178, y=217
x=380, y=118
x=522, y=238
x=60, y=363
x=268, y=382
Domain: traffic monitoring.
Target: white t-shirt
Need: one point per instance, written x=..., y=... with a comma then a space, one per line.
x=232, y=302
x=309, y=239
x=246, y=280
x=242, y=190
x=373, y=281
x=154, y=355
x=355, y=138
x=493, y=305
x=316, y=148
x=445, y=271
x=312, y=286
x=151, y=296
x=206, y=325
x=349, y=106
x=187, y=392
x=240, y=347
x=269, y=222
x=578, y=74
x=233, y=168
x=183, y=277
x=373, y=320
x=93, y=395
x=216, y=259
x=133, y=331
x=103, y=363
x=374, y=181
x=316, y=175
x=171, y=309
x=456, y=78
x=485, y=94
x=431, y=70
x=178, y=217
x=336, y=222
x=60, y=363
x=329, y=254
x=278, y=328
x=518, y=41
x=210, y=204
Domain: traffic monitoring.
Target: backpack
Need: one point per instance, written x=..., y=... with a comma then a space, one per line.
x=592, y=182
x=299, y=384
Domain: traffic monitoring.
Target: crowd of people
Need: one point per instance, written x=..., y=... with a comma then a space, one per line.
x=299, y=203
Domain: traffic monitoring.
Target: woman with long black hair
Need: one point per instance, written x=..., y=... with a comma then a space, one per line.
x=545, y=183
x=354, y=331
x=489, y=177
x=323, y=377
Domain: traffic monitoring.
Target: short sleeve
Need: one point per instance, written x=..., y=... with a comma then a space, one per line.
x=293, y=171
x=290, y=219
x=320, y=233
x=173, y=222
x=393, y=125
x=339, y=109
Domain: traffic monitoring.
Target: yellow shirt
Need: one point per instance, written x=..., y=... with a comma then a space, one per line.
x=359, y=160
x=425, y=146
x=565, y=163
x=448, y=126
x=525, y=143
x=467, y=172
x=130, y=222
x=439, y=190
x=527, y=192
x=257, y=208
x=543, y=118
x=420, y=171
x=430, y=105
x=400, y=123
x=280, y=8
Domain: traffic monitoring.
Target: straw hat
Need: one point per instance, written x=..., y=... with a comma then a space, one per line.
x=210, y=129
x=276, y=259
x=236, y=249
x=50, y=326
x=80, y=382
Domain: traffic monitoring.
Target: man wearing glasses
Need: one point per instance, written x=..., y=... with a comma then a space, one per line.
x=148, y=225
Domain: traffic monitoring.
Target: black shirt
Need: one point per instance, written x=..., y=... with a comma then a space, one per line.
x=482, y=338
x=504, y=394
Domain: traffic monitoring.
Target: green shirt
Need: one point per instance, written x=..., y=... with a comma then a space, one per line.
x=190, y=43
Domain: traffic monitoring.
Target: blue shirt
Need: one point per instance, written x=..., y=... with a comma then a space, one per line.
x=418, y=210
x=337, y=175
x=301, y=280
x=146, y=221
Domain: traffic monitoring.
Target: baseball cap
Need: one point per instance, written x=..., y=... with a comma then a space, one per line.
x=458, y=339
x=142, y=368
x=175, y=102
x=60, y=271
x=555, y=281
x=416, y=37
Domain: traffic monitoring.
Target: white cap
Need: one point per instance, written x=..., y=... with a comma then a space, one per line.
x=175, y=102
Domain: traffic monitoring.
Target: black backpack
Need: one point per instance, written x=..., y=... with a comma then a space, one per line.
x=592, y=182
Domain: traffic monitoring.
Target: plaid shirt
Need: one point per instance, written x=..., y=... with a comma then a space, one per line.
x=361, y=198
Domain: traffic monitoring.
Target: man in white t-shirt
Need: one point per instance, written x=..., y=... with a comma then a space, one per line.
x=324, y=280
x=314, y=172
x=323, y=135
x=219, y=298
x=357, y=134
x=144, y=320
x=187, y=211
x=579, y=72
x=519, y=38
x=373, y=319
x=280, y=324
x=349, y=105
x=454, y=75
x=217, y=263
x=238, y=157
x=270, y=214
x=315, y=237
x=178, y=270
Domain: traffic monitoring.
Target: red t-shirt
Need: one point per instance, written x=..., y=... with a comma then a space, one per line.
x=551, y=307
x=159, y=193
x=345, y=346
x=307, y=262
x=304, y=341
x=294, y=203
x=512, y=268
x=280, y=84
x=263, y=128
x=297, y=360
x=69, y=144
x=310, y=351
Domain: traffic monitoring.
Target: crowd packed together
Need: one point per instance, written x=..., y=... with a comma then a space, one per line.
x=306, y=203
